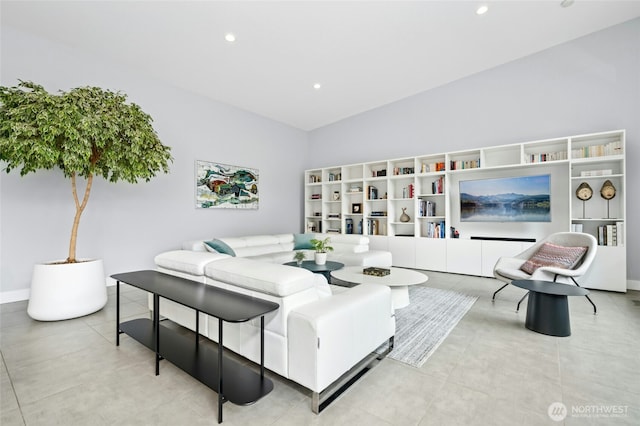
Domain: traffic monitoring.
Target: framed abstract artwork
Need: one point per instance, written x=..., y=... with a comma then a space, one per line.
x=226, y=186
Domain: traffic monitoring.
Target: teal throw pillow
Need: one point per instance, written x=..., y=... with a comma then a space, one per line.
x=219, y=246
x=302, y=241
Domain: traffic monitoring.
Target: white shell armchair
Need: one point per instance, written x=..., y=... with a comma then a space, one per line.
x=508, y=269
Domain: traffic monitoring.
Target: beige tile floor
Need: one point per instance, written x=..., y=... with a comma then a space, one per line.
x=489, y=371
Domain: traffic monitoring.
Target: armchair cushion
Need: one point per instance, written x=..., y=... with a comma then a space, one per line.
x=553, y=255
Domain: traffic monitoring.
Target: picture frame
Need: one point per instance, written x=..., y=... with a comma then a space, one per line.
x=220, y=185
x=356, y=208
x=506, y=199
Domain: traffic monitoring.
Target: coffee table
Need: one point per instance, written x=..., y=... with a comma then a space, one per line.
x=398, y=280
x=325, y=269
x=548, y=308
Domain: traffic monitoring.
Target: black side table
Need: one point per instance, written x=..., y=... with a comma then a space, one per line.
x=548, y=307
x=319, y=269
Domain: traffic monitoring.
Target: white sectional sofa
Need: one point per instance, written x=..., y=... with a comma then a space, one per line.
x=352, y=250
x=320, y=336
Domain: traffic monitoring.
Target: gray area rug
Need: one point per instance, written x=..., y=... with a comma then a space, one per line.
x=423, y=325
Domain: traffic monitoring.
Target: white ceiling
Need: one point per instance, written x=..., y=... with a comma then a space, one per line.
x=364, y=53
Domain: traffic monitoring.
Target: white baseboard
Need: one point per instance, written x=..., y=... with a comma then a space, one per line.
x=14, y=296
x=20, y=295
x=633, y=285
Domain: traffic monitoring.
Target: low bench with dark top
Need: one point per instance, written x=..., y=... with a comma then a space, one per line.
x=231, y=380
x=548, y=307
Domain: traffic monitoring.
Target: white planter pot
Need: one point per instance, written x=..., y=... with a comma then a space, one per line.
x=64, y=291
x=320, y=258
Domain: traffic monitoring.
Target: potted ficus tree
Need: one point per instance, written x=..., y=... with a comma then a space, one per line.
x=321, y=247
x=84, y=132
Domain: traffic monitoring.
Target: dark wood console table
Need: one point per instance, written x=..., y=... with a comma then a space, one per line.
x=241, y=385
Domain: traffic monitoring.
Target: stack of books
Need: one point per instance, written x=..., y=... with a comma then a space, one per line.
x=611, y=235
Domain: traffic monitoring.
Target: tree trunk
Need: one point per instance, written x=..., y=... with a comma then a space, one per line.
x=79, y=209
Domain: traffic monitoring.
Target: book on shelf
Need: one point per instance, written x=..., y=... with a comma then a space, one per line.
x=373, y=192
x=408, y=191
x=612, y=239
x=435, y=229
x=373, y=227
x=599, y=150
x=541, y=157
x=432, y=167
x=620, y=233
x=464, y=164
x=611, y=234
x=437, y=186
x=588, y=173
x=427, y=208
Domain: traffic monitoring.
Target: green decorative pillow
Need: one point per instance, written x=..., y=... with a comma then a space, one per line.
x=302, y=241
x=553, y=255
x=219, y=247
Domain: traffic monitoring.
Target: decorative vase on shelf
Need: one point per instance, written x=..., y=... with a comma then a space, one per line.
x=404, y=217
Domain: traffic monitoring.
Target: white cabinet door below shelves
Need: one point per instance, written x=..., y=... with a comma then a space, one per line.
x=431, y=254
x=608, y=270
x=403, y=250
x=464, y=256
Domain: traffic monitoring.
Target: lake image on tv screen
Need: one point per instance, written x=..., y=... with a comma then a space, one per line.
x=513, y=199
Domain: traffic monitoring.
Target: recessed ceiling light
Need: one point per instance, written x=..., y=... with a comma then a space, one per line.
x=566, y=3
x=317, y=86
x=482, y=9
x=230, y=37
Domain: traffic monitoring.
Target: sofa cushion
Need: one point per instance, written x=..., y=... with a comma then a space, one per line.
x=259, y=250
x=276, y=257
x=346, y=243
x=187, y=261
x=378, y=258
x=302, y=241
x=553, y=255
x=270, y=278
x=219, y=246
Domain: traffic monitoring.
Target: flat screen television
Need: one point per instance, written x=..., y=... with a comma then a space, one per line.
x=510, y=199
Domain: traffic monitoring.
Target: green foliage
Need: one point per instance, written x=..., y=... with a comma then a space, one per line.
x=321, y=246
x=299, y=256
x=85, y=131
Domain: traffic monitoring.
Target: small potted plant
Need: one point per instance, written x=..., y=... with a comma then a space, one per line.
x=321, y=247
x=299, y=257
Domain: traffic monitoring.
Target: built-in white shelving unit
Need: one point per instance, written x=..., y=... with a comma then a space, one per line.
x=370, y=198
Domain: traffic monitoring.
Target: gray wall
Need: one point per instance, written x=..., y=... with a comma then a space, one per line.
x=591, y=84
x=125, y=224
